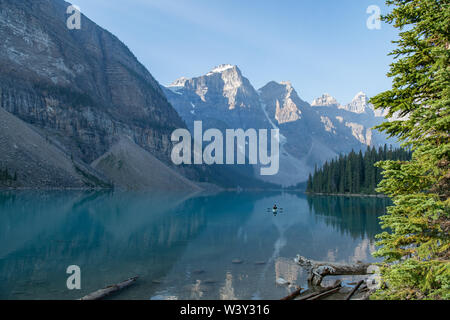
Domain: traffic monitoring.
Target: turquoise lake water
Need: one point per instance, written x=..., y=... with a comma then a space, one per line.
x=181, y=247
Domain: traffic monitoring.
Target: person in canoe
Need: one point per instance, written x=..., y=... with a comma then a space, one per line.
x=275, y=209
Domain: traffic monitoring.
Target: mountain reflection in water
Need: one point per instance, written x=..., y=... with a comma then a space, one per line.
x=223, y=246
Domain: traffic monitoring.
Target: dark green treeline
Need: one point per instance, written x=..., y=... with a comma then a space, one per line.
x=354, y=173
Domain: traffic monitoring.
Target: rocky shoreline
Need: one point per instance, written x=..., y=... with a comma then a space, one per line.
x=318, y=270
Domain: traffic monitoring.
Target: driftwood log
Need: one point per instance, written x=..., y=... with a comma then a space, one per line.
x=294, y=294
x=102, y=293
x=354, y=290
x=318, y=270
x=323, y=292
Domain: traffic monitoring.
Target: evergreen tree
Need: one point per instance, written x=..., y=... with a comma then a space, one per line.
x=309, y=185
x=416, y=245
x=5, y=176
x=354, y=173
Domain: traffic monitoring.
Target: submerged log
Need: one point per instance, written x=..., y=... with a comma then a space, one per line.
x=323, y=292
x=293, y=295
x=102, y=293
x=318, y=269
x=354, y=290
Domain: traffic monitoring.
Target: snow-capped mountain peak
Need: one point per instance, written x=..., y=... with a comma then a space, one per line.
x=287, y=84
x=281, y=102
x=207, y=92
x=359, y=104
x=180, y=82
x=221, y=68
x=325, y=100
x=361, y=96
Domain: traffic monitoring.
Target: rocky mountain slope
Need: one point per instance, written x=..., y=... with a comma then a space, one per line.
x=223, y=98
x=355, y=119
x=33, y=162
x=133, y=168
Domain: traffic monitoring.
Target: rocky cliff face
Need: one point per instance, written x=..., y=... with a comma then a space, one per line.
x=83, y=88
x=325, y=101
x=282, y=102
x=223, y=98
x=355, y=119
x=33, y=162
x=359, y=104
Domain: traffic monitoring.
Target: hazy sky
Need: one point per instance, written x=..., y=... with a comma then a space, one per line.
x=318, y=45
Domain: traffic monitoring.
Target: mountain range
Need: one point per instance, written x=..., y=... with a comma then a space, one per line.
x=310, y=133
x=78, y=110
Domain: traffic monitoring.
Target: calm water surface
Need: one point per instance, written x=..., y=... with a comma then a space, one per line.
x=181, y=247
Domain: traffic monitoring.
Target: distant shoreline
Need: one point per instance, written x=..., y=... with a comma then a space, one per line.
x=348, y=195
x=205, y=188
x=213, y=190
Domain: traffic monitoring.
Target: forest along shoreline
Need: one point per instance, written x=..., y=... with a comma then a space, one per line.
x=355, y=173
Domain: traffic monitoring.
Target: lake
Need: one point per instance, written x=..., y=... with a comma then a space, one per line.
x=222, y=246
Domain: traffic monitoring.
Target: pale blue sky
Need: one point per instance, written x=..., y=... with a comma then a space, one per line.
x=318, y=45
